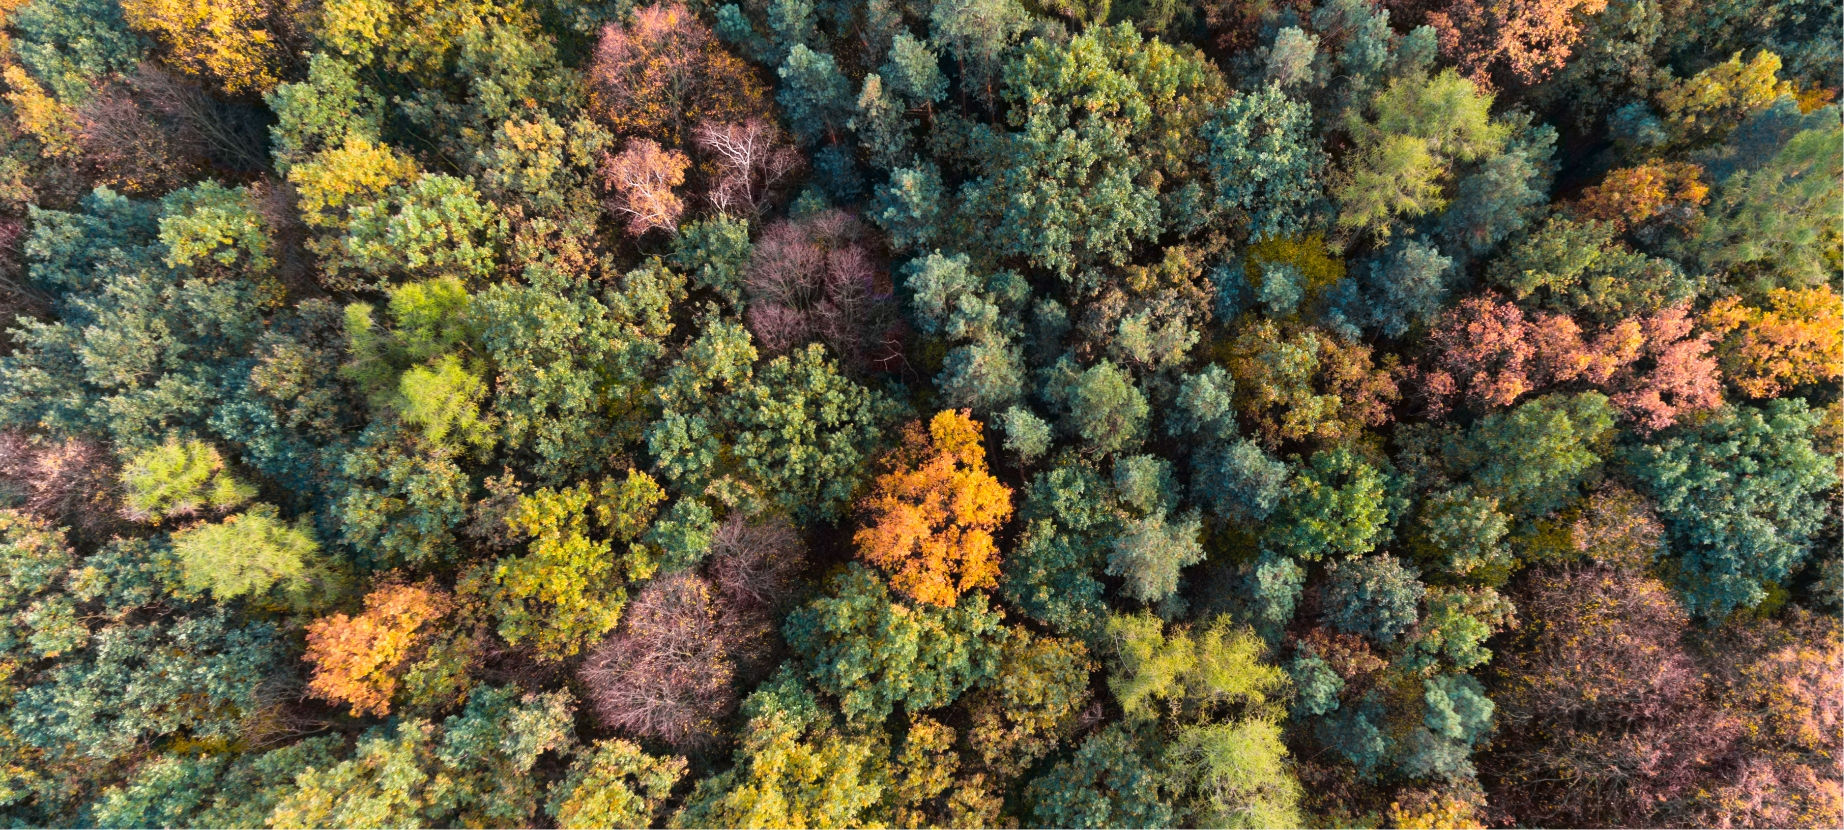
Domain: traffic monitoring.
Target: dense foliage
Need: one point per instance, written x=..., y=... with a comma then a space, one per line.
x=810, y=413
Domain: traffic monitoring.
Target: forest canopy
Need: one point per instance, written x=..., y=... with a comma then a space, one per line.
x=959, y=413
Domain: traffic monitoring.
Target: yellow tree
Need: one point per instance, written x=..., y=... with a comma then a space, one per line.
x=224, y=41
x=931, y=517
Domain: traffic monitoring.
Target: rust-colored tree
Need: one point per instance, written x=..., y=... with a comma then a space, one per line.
x=930, y=519
x=1632, y=196
x=1602, y=712
x=360, y=660
x=664, y=72
x=1489, y=353
x=1494, y=41
x=640, y=180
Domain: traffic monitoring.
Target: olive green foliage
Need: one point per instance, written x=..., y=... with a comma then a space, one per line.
x=874, y=651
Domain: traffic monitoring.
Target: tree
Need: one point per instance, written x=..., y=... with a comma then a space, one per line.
x=1535, y=458
x=1522, y=43
x=1065, y=188
x=1376, y=596
x=1235, y=775
x=226, y=41
x=815, y=96
x=1739, y=495
x=753, y=164
x=179, y=480
x=930, y=519
x=613, y=784
x=1797, y=339
x=1769, y=223
x=566, y=591
x=322, y=111
x=795, y=767
x=1069, y=520
x=816, y=278
x=1579, y=268
x=1654, y=366
x=873, y=652
x=1032, y=701
x=361, y=660
x=1107, y=782
x=1715, y=100
x=642, y=178
x=977, y=33
x=1336, y=504
x=1150, y=553
x=1190, y=675
x=1416, y=129
x=1303, y=384
x=1600, y=703
x=474, y=768
x=663, y=74
x=1264, y=162
x=1102, y=407
x=667, y=673
x=1632, y=196
x=254, y=552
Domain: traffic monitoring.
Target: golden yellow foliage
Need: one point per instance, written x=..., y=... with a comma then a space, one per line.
x=932, y=516
x=225, y=41
x=337, y=179
x=1632, y=195
x=53, y=124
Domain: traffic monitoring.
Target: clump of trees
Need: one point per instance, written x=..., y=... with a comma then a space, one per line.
x=981, y=413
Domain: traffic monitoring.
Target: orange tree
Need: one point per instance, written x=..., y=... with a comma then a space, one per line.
x=931, y=517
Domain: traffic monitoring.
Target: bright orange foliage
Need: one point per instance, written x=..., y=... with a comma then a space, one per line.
x=356, y=659
x=1630, y=196
x=1798, y=339
x=932, y=516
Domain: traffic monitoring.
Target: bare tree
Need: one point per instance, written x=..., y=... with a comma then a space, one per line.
x=816, y=278
x=667, y=673
x=754, y=162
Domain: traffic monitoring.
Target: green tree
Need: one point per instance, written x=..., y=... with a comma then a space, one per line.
x=179, y=479
x=1535, y=458
x=1741, y=498
x=1407, y=143
x=254, y=553
x=613, y=784
x=1336, y=504
x=795, y=767
x=873, y=651
x=568, y=589
x=1109, y=781
x=1376, y=596
x=1095, y=123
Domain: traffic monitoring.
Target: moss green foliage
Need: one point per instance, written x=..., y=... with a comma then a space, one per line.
x=1352, y=376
